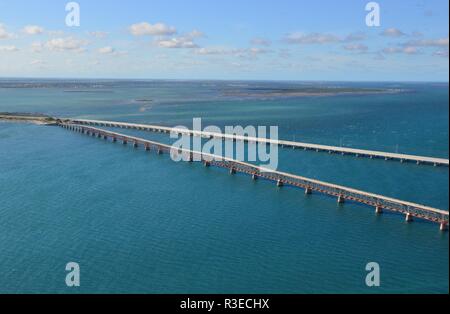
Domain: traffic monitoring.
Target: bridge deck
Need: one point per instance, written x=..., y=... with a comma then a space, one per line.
x=282, y=178
x=307, y=146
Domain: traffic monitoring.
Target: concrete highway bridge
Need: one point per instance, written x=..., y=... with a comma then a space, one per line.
x=342, y=194
x=420, y=160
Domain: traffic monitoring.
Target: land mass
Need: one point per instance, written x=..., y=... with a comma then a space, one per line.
x=307, y=91
x=35, y=118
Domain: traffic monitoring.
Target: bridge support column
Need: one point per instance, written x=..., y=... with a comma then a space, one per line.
x=147, y=147
x=280, y=183
x=443, y=226
x=341, y=199
x=409, y=217
x=254, y=177
x=135, y=145
x=378, y=210
x=114, y=139
x=105, y=137
x=232, y=171
x=99, y=135
x=207, y=164
x=159, y=152
x=191, y=157
x=308, y=191
x=124, y=142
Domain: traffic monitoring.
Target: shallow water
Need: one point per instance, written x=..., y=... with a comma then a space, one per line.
x=138, y=222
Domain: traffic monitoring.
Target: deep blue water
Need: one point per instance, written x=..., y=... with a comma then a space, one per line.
x=138, y=222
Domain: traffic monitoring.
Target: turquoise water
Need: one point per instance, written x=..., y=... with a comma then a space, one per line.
x=140, y=223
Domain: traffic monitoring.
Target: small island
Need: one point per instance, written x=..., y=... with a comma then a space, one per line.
x=35, y=118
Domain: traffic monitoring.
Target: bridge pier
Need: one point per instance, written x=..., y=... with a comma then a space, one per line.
x=280, y=183
x=135, y=145
x=378, y=210
x=254, y=177
x=409, y=217
x=206, y=164
x=308, y=191
x=341, y=199
x=159, y=151
x=147, y=147
x=443, y=226
x=124, y=142
x=232, y=171
x=114, y=139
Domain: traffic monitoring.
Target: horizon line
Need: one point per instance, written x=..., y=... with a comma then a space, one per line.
x=215, y=79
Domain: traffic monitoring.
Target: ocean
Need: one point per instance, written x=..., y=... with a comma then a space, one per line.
x=137, y=222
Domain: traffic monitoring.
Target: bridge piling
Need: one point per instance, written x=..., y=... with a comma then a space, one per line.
x=409, y=217
x=380, y=202
x=378, y=210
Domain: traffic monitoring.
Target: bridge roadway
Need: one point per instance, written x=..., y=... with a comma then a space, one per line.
x=296, y=145
x=342, y=193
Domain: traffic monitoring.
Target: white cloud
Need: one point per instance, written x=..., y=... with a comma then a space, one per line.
x=392, y=32
x=237, y=52
x=8, y=49
x=410, y=50
x=355, y=37
x=260, y=42
x=195, y=34
x=98, y=34
x=177, y=42
x=313, y=38
x=158, y=29
x=211, y=51
x=4, y=33
x=37, y=62
x=106, y=50
x=55, y=33
x=37, y=47
x=356, y=47
x=66, y=44
x=441, y=42
x=33, y=30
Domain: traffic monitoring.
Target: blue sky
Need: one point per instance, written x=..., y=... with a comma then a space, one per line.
x=204, y=39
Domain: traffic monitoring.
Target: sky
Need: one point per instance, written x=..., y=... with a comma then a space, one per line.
x=323, y=40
